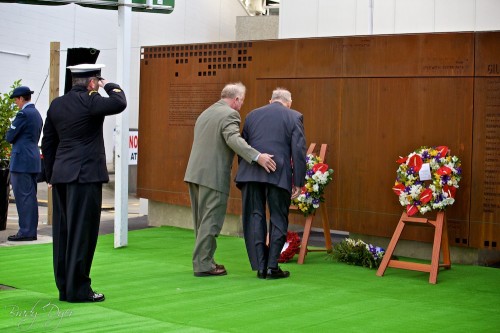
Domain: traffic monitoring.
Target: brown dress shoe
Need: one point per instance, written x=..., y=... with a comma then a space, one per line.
x=219, y=266
x=213, y=272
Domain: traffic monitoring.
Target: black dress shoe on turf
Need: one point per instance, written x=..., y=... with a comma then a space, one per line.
x=276, y=274
x=261, y=274
x=17, y=238
x=95, y=297
x=213, y=272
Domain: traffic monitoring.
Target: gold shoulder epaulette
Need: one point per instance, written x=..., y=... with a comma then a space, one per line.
x=117, y=90
x=91, y=92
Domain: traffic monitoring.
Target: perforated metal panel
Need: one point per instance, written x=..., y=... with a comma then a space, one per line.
x=370, y=98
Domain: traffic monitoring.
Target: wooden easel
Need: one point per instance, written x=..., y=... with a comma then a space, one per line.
x=309, y=220
x=440, y=245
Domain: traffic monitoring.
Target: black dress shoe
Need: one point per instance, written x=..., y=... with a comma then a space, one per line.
x=276, y=273
x=95, y=297
x=92, y=297
x=261, y=274
x=17, y=238
x=213, y=272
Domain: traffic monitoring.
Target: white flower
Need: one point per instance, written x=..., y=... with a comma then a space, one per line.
x=403, y=199
x=415, y=191
x=425, y=209
x=434, y=165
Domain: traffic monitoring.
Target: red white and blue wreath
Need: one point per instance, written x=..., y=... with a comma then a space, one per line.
x=434, y=165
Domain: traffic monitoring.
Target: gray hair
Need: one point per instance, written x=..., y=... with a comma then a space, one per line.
x=233, y=90
x=81, y=81
x=281, y=94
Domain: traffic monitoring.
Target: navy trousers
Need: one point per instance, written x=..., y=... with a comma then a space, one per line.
x=76, y=219
x=24, y=186
x=255, y=196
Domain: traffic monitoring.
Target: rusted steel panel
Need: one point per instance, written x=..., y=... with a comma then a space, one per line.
x=370, y=98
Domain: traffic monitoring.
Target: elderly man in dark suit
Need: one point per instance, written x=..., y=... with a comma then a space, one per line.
x=216, y=139
x=24, y=133
x=75, y=166
x=281, y=130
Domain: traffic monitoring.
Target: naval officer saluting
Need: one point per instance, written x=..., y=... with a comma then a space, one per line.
x=75, y=165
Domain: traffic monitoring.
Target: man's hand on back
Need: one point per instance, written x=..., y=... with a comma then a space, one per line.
x=266, y=161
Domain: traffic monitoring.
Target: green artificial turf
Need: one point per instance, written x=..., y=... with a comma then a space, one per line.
x=150, y=287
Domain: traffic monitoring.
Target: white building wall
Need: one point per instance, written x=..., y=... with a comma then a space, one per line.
x=27, y=31
x=320, y=18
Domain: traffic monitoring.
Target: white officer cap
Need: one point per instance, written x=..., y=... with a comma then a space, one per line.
x=86, y=70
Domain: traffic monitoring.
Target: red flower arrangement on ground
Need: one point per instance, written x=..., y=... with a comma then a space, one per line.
x=292, y=247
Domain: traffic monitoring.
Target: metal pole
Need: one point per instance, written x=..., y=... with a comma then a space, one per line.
x=370, y=18
x=122, y=126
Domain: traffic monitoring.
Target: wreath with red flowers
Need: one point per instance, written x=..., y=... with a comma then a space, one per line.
x=318, y=175
x=436, y=189
x=291, y=248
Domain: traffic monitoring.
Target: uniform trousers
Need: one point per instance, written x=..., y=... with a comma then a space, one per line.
x=254, y=196
x=24, y=186
x=76, y=219
x=208, y=207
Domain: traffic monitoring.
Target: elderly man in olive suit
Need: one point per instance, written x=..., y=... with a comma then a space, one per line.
x=25, y=163
x=216, y=139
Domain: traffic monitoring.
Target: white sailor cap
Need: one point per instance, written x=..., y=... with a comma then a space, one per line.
x=86, y=70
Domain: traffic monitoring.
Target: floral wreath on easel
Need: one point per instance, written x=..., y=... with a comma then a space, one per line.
x=432, y=164
x=318, y=175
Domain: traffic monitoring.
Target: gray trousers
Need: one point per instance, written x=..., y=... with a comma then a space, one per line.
x=208, y=207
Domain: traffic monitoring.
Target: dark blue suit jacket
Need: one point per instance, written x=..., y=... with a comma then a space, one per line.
x=24, y=134
x=279, y=131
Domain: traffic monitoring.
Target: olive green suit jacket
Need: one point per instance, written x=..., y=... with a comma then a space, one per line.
x=216, y=139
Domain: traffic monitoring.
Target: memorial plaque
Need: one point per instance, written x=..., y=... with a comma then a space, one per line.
x=370, y=98
x=485, y=196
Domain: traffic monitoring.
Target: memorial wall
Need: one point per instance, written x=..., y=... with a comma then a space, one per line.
x=370, y=98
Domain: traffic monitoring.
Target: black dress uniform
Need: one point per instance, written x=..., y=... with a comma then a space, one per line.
x=75, y=164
